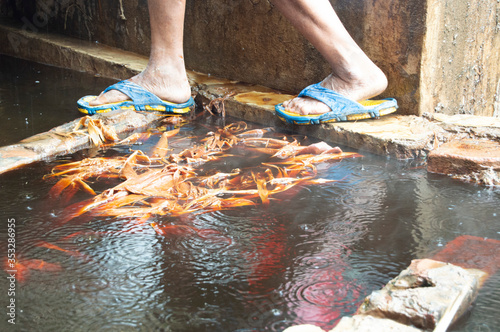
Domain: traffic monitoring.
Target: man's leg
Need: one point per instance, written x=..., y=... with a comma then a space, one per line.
x=353, y=75
x=165, y=74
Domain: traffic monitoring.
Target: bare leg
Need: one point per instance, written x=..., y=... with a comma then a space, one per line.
x=165, y=74
x=353, y=75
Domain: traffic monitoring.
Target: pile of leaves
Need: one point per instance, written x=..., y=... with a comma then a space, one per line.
x=159, y=183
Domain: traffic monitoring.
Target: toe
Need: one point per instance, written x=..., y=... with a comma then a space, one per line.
x=306, y=106
x=294, y=106
x=108, y=97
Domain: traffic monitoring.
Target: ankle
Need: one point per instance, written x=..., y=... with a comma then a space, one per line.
x=378, y=80
x=357, y=84
x=354, y=66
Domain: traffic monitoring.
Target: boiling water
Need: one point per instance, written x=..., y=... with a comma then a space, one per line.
x=311, y=256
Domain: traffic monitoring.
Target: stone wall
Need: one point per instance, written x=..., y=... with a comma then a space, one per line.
x=461, y=62
x=249, y=40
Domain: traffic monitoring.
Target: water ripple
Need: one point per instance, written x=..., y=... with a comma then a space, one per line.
x=144, y=276
x=331, y=293
x=89, y=284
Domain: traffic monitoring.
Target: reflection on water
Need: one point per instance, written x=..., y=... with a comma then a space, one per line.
x=310, y=257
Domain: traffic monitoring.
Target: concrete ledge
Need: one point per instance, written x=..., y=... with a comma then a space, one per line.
x=69, y=53
x=62, y=140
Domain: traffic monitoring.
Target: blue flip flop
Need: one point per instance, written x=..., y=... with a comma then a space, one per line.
x=342, y=108
x=140, y=100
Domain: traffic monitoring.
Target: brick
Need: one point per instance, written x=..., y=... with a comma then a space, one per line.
x=464, y=157
x=422, y=294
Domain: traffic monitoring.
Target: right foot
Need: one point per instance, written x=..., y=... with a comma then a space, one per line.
x=168, y=85
x=362, y=82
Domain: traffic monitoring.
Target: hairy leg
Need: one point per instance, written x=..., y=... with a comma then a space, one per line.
x=165, y=74
x=353, y=75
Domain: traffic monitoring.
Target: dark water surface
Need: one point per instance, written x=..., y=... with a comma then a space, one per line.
x=35, y=98
x=310, y=257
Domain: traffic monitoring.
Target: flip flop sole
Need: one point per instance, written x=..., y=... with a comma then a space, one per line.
x=85, y=108
x=313, y=119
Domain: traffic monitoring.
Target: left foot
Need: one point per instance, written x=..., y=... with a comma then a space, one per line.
x=166, y=82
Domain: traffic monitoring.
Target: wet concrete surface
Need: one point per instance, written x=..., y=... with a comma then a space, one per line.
x=64, y=139
x=398, y=136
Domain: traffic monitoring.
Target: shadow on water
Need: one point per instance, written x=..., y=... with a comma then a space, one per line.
x=310, y=257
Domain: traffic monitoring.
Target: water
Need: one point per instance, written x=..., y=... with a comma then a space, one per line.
x=35, y=98
x=310, y=257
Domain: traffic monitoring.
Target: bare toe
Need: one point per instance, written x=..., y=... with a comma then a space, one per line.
x=112, y=96
x=306, y=106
